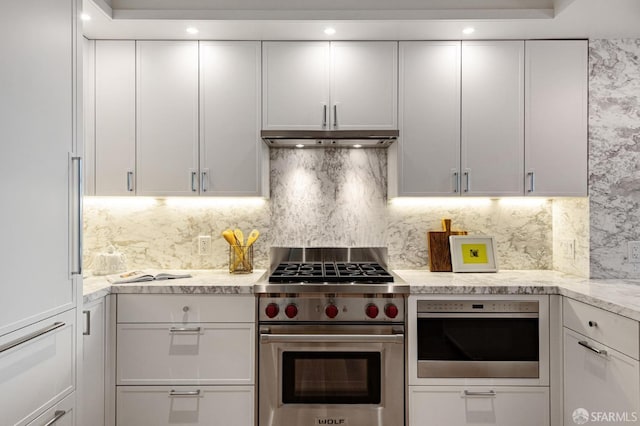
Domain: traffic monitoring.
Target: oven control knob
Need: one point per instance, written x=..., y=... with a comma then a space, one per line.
x=272, y=310
x=391, y=310
x=371, y=310
x=331, y=311
x=291, y=310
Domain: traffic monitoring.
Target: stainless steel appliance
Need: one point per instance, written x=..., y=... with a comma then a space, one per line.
x=331, y=342
x=478, y=338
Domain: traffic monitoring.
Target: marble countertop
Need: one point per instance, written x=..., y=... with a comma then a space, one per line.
x=615, y=295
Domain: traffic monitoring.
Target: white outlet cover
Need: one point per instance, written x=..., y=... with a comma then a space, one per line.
x=634, y=251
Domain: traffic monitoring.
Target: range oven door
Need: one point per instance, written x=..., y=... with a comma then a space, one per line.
x=478, y=345
x=331, y=375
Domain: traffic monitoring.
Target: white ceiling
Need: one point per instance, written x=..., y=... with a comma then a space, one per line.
x=361, y=19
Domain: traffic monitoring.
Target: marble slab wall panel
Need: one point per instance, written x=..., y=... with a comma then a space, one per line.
x=328, y=197
x=162, y=233
x=614, y=156
x=521, y=227
x=571, y=227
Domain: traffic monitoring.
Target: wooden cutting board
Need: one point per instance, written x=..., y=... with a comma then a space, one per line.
x=439, y=251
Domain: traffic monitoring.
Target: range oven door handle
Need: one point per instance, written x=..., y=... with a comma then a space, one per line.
x=331, y=338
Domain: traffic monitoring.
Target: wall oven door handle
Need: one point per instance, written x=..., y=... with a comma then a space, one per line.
x=331, y=338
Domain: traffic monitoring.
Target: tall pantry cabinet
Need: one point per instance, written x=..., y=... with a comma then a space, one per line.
x=40, y=187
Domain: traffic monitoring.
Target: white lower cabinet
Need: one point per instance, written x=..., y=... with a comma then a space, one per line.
x=478, y=405
x=61, y=414
x=39, y=371
x=91, y=399
x=185, y=405
x=182, y=361
x=599, y=383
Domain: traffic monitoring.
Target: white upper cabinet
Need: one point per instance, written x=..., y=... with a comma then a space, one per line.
x=492, y=118
x=295, y=85
x=364, y=89
x=330, y=85
x=556, y=118
x=232, y=155
x=167, y=118
x=428, y=151
x=115, y=117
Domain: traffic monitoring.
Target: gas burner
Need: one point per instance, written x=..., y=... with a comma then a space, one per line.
x=331, y=272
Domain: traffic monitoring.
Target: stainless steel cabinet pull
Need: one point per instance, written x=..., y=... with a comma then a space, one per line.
x=184, y=330
x=467, y=177
x=593, y=324
x=174, y=392
x=532, y=181
x=87, y=315
x=490, y=394
x=335, y=115
x=193, y=182
x=203, y=181
x=130, y=181
x=332, y=338
x=591, y=348
x=78, y=226
x=456, y=182
x=324, y=115
x=56, y=416
x=31, y=336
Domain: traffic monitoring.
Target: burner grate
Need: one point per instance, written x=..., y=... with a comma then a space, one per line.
x=330, y=272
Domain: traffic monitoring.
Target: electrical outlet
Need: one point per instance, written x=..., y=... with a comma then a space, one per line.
x=204, y=245
x=634, y=251
x=568, y=249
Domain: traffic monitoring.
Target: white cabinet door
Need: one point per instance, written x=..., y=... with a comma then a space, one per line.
x=39, y=371
x=295, y=85
x=167, y=118
x=496, y=406
x=598, y=383
x=63, y=413
x=556, y=118
x=88, y=108
x=37, y=134
x=185, y=405
x=205, y=353
x=115, y=117
x=429, y=146
x=231, y=152
x=93, y=365
x=364, y=85
x=492, y=118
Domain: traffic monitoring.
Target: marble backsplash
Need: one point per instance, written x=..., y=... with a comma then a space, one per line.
x=614, y=156
x=325, y=197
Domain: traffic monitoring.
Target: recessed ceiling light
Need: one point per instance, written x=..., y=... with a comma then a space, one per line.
x=299, y=145
x=85, y=16
x=468, y=30
x=192, y=30
x=329, y=31
x=357, y=145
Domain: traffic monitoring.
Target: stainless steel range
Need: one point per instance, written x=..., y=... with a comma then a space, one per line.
x=331, y=340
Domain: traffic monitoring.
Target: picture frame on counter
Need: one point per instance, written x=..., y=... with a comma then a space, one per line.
x=473, y=253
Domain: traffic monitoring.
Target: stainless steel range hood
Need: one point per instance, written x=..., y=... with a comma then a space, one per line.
x=329, y=138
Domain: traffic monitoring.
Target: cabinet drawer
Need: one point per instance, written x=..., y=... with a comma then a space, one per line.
x=615, y=331
x=205, y=405
x=63, y=413
x=450, y=406
x=185, y=308
x=38, y=372
x=598, y=383
x=155, y=354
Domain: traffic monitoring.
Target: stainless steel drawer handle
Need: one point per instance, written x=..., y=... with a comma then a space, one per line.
x=56, y=416
x=331, y=338
x=489, y=394
x=24, y=339
x=591, y=348
x=87, y=315
x=592, y=324
x=174, y=392
x=185, y=329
